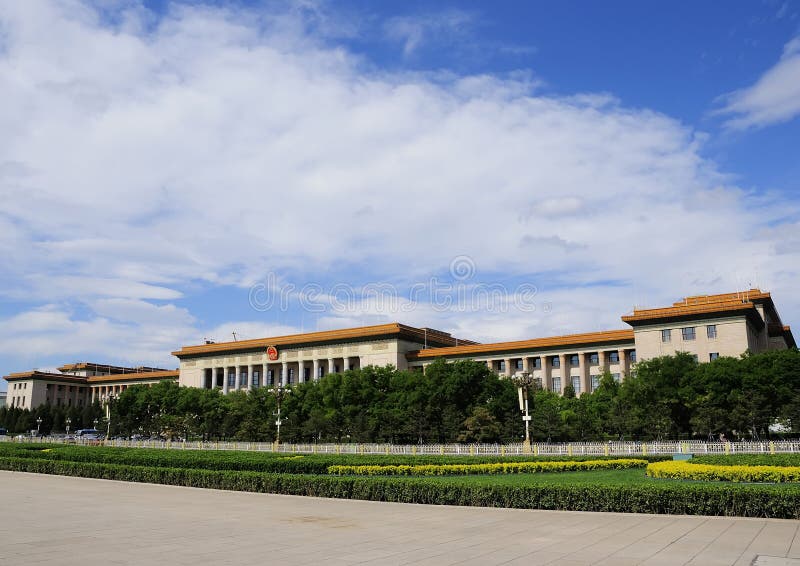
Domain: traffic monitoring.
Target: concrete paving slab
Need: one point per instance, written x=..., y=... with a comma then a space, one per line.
x=65, y=521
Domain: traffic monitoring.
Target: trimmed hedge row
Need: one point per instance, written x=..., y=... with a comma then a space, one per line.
x=707, y=472
x=249, y=461
x=750, y=460
x=687, y=499
x=487, y=469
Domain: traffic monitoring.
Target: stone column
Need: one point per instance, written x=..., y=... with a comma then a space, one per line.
x=509, y=371
x=547, y=374
x=330, y=366
x=623, y=364
x=601, y=362
x=300, y=365
x=564, y=370
x=345, y=363
x=264, y=370
x=583, y=367
x=315, y=370
x=225, y=379
x=526, y=364
x=284, y=373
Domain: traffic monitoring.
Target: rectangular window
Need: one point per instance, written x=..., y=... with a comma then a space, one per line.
x=501, y=365
x=556, y=385
x=688, y=333
x=555, y=362
x=537, y=382
x=231, y=379
x=537, y=363
x=594, y=358
x=518, y=364
x=291, y=375
x=576, y=384
x=711, y=331
x=613, y=357
x=574, y=360
x=270, y=376
x=320, y=371
x=256, y=378
x=243, y=377
x=713, y=356
x=616, y=377
x=666, y=335
x=595, y=382
x=633, y=356
x=306, y=373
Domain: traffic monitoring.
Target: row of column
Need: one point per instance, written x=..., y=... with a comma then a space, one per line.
x=244, y=373
x=565, y=368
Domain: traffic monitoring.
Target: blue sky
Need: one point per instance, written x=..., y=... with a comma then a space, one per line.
x=166, y=167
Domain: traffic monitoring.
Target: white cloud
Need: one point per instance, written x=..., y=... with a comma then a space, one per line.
x=774, y=98
x=440, y=27
x=217, y=145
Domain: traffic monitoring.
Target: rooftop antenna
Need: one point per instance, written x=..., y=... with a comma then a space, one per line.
x=234, y=336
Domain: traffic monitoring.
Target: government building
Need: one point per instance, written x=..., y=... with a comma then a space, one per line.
x=705, y=326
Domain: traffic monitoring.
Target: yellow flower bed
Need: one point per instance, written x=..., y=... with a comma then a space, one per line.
x=481, y=469
x=687, y=471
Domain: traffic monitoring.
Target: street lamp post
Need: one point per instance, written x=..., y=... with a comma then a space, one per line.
x=108, y=399
x=95, y=423
x=280, y=392
x=523, y=380
x=69, y=422
x=38, y=426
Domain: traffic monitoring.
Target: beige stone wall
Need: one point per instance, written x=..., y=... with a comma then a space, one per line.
x=734, y=337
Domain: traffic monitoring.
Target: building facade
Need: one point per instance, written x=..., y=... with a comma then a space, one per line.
x=705, y=326
x=78, y=385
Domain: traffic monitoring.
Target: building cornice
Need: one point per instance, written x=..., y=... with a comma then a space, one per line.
x=392, y=330
x=589, y=339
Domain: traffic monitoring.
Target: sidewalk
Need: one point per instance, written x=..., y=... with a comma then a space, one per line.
x=61, y=521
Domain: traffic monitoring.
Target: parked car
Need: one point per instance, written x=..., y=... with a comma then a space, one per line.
x=88, y=434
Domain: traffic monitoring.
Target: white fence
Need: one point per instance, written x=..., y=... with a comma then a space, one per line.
x=565, y=449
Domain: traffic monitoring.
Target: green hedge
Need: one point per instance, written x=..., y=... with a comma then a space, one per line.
x=487, y=469
x=252, y=461
x=670, y=498
x=750, y=460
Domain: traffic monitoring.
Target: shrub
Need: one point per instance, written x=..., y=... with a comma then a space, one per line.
x=481, y=469
x=687, y=499
x=251, y=461
x=733, y=473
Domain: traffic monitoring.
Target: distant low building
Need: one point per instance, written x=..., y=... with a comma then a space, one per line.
x=76, y=385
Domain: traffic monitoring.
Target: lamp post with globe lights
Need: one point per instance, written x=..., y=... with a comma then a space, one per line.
x=280, y=391
x=523, y=380
x=69, y=422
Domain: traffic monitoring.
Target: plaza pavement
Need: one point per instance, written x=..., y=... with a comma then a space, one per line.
x=64, y=521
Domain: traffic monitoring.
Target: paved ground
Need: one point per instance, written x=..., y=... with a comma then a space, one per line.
x=62, y=521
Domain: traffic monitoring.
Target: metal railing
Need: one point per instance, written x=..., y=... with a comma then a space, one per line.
x=537, y=449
